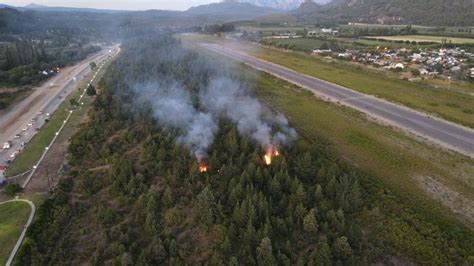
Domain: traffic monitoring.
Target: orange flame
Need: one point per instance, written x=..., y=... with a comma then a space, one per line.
x=203, y=168
x=268, y=157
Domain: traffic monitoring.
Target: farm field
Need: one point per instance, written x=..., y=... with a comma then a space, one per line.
x=421, y=38
x=302, y=44
x=12, y=218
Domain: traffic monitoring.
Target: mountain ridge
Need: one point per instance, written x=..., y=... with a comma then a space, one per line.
x=287, y=5
x=430, y=12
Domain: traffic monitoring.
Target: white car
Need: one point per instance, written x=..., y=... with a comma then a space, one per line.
x=24, y=129
x=17, y=136
x=30, y=124
x=13, y=155
x=48, y=114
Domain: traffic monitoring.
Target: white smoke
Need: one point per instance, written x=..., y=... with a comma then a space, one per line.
x=172, y=107
x=190, y=93
x=228, y=97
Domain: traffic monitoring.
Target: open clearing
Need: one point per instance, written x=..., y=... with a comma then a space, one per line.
x=422, y=38
x=13, y=216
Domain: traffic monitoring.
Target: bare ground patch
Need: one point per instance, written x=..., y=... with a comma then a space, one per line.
x=459, y=203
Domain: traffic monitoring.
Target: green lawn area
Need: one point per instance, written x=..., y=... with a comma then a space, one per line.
x=13, y=217
x=452, y=105
x=423, y=38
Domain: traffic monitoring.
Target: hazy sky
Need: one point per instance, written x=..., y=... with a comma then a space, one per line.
x=115, y=4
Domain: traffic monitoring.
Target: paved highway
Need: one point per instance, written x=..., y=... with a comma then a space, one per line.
x=444, y=133
x=22, y=121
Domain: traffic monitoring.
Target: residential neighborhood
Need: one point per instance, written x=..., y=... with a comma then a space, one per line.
x=443, y=63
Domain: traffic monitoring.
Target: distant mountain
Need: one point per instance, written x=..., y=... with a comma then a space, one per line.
x=231, y=10
x=426, y=12
x=306, y=10
x=44, y=8
x=283, y=4
x=33, y=5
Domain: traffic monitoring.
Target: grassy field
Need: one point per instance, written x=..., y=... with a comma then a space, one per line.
x=302, y=44
x=422, y=38
x=452, y=105
x=35, y=148
x=267, y=31
x=12, y=218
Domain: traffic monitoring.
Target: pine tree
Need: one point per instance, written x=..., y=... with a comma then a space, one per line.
x=321, y=255
x=310, y=224
x=341, y=248
x=265, y=253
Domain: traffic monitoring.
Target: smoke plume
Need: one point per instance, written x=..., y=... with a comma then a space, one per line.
x=172, y=107
x=190, y=93
x=229, y=97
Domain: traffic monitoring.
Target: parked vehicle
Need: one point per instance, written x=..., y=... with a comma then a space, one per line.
x=17, y=136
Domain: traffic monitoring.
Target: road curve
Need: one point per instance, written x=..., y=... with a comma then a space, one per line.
x=441, y=132
x=23, y=233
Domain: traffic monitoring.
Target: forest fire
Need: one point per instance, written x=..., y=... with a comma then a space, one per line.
x=271, y=153
x=203, y=167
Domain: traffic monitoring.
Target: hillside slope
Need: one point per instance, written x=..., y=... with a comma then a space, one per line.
x=230, y=11
x=430, y=12
x=283, y=4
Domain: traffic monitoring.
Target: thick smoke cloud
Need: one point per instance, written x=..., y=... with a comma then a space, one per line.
x=172, y=107
x=190, y=94
x=229, y=97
